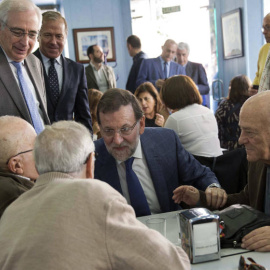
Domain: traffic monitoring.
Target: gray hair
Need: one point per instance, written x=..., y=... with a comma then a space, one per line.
x=17, y=5
x=63, y=147
x=183, y=46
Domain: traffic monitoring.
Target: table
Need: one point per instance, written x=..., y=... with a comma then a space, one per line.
x=229, y=256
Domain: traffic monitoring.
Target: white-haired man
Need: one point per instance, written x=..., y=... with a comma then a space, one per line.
x=195, y=71
x=69, y=222
x=22, y=87
x=17, y=167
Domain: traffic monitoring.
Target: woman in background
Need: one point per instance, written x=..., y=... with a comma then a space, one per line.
x=154, y=111
x=195, y=124
x=227, y=113
x=94, y=96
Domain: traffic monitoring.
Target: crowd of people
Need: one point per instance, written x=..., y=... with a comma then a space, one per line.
x=80, y=159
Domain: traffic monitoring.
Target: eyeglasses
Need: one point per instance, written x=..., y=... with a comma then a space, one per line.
x=124, y=131
x=253, y=266
x=266, y=28
x=17, y=32
x=18, y=155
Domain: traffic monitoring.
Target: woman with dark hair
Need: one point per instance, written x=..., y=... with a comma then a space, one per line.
x=94, y=96
x=195, y=124
x=227, y=114
x=154, y=111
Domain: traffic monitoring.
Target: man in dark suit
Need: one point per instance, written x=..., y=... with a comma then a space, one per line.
x=195, y=71
x=156, y=70
x=22, y=89
x=161, y=164
x=134, y=50
x=65, y=79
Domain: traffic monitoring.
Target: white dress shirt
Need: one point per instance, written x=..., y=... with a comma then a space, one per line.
x=140, y=167
x=101, y=78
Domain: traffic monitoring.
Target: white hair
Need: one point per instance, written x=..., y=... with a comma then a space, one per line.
x=183, y=46
x=17, y=5
x=63, y=147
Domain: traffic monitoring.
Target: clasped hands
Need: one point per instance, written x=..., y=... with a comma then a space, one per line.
x=215, y=197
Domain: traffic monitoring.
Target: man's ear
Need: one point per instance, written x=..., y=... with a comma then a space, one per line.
x=142, y=124
x=15, y=165
x=90, y=166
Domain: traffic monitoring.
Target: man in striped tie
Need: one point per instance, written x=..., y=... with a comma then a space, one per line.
x=22, y=88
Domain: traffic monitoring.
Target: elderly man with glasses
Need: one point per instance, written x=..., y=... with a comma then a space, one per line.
x=17, y=167
x=145, y=164
x=22, y=87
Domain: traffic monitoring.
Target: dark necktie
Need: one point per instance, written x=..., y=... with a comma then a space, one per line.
x=165, y=70
x=136, y=194
x=53, y=81
x=267, y=193
x=29, y=99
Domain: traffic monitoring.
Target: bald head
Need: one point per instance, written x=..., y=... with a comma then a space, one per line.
x=169, y=50
x=266, y=27
x=255, y=127
x=16, y=136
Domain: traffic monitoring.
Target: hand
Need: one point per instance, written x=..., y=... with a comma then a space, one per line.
x=159, y=83
x=159, y=120
x=215, y=197
x=187, y=194
x=252, y=91
x=258, y=240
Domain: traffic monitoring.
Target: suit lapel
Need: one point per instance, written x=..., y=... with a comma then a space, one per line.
x=66, y=80
x=188, y=69
x=12, y=87
x=92, y=75
x=154, y=163
x=158, y=67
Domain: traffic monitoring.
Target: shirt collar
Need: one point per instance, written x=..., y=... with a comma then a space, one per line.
x=45, y=59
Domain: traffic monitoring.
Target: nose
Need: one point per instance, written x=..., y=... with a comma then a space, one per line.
x=143, y=102
x=117, y=138
x=25, y=40
x=242, y=139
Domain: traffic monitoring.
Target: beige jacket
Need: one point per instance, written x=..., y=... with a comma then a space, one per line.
x=66, y=223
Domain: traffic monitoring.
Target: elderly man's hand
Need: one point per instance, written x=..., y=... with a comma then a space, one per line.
x=187, y=194
x=258, y=240
x=215, y=197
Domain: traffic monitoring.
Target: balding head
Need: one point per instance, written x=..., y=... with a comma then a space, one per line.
x=16, y=136
x=169, y=50
x=255, y=126
x=266, y=27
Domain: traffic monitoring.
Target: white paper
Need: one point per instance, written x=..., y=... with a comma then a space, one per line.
x=205, y=238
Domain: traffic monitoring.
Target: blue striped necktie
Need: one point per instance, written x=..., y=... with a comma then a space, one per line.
x=136, y=194
x=29, y=99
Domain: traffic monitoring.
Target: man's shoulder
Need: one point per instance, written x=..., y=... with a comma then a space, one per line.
x=108, y=68
x=72, y=63
x=157, y=134
x=194, y=64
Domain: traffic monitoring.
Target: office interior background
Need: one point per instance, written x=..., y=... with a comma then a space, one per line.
x=197, y=22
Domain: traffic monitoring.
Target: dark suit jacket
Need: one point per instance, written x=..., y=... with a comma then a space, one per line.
x=92, y=81
x=11, y=187
x=169, y=164
x=197, y=72
x=12, y=101
x=151, y=70
x=134, y=71
x=73, y=97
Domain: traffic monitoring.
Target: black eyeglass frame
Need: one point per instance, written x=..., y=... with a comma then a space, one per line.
x=18, y=155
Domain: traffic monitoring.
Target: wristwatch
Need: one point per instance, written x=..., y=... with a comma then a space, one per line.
x=214, y=185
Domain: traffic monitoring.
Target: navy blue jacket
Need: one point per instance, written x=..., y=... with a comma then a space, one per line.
x=134, y=71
